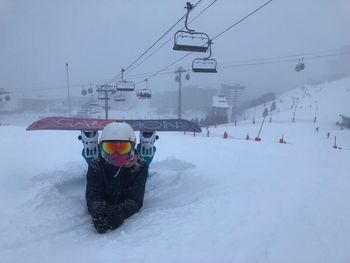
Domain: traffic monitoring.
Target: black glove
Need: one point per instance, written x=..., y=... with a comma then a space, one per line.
x=101, y=223
x=115, y=216
x=99, y=218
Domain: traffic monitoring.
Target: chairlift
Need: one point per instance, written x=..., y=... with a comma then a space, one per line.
x=144, y=93
x=84, y=92
x=102, y=97
x=190, y=40
x=119, y=97
x=124, y=85
x=300, y=66
x=90, y=90
x=205, y=65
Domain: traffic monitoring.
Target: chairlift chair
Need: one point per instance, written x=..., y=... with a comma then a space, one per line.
x=124, y=85
x=205, y=65
x=119, y=98
x=300, y=66
x=189, y=39
x=102, y=97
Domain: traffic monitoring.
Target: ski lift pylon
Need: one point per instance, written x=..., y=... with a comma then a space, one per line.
x=190, y=40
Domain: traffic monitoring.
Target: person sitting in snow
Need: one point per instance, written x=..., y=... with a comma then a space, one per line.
x=116, y=179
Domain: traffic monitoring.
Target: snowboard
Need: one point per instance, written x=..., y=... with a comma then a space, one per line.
x=84, y=124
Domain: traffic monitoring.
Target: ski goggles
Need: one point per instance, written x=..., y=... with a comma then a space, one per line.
x=120, y=148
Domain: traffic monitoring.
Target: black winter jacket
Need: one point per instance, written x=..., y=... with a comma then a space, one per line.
x=120, y=189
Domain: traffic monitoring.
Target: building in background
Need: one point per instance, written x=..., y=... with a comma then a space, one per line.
x=234, y=95
x=194, y=99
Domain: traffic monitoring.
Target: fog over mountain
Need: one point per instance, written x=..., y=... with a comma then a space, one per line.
x=98, y=38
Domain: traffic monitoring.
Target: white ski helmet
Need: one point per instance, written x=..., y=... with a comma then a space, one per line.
x=118, y=131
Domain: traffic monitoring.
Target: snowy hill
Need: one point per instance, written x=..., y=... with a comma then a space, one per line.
x=208, y=199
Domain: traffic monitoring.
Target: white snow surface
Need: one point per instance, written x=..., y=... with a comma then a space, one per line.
x=208, y=199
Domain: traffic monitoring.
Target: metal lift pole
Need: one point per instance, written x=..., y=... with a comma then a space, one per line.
x=106, y=89
x=68, y=88
x=179, y=72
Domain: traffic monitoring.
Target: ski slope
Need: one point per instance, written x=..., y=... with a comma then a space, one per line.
x=208, y=199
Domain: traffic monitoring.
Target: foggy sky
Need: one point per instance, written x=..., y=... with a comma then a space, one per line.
x=99, y=37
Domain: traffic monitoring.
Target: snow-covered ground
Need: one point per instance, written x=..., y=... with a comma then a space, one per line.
x=208, y=199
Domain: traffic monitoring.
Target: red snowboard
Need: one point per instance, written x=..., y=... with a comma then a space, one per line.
x=65, y=123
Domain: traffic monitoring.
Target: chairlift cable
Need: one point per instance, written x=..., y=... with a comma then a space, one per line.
x=241, y=20
x=294, y=56
x=243, y=64
x=144, y=75
x=284, y=60
x=218, y=35
x=128, y=67
x=165, y=68
x=150, y=55
x=160, y=38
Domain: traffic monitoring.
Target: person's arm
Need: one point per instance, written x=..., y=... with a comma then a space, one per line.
x=95, y=190
x=95, y=199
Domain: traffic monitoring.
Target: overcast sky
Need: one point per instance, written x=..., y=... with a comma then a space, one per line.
x=99, y=37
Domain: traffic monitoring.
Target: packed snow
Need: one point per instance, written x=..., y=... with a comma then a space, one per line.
x=208, y=199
